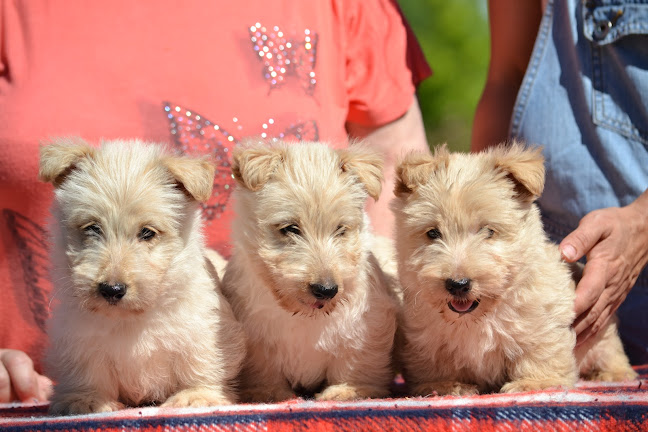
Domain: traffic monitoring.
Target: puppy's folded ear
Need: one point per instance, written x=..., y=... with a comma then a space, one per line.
x=417, y=167
x=60, y=157
x=524, y=166
x=196, y=175
x=253, y=165
x=366, y=165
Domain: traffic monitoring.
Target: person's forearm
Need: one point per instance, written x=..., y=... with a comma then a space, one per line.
x=492, y=117
x=513, y=28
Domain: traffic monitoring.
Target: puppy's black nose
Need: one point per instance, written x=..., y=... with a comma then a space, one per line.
x=112, y=292
x=324, y=292
x=458, y=287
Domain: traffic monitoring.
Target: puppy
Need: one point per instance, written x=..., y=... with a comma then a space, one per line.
x=314, y=303
x=488, y=303
x=138, y=319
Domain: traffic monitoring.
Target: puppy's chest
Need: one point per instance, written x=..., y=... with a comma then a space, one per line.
x=142, y=369
x=472, y=353
x=305, y=348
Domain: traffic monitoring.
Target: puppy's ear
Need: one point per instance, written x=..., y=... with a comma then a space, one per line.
x=196, y=175
x=366, y=165
x=524, y=166
x=417, y=167
x=60, y=157
x=252, y=166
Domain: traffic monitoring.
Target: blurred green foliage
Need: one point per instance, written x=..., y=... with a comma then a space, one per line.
x=455, y=39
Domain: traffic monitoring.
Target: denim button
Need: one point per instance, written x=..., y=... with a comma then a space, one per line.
x=602, y=28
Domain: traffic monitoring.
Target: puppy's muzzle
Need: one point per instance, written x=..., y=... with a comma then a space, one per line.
x=323, y=291
x=113, y=293
x=459, y=289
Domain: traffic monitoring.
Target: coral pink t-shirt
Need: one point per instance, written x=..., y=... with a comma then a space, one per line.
x=199, y=75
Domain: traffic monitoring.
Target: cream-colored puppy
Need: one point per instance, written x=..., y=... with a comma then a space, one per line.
x=313, y=301
x=137, y=318
x=488, y=303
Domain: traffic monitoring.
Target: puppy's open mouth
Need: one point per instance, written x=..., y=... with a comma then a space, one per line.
x=462, y=306
x=318, y=304
x=314, y=305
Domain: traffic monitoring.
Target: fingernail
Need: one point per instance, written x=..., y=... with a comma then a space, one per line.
x=568, y=252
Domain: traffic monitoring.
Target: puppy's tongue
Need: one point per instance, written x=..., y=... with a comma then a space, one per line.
x=317, y=305
x=460, y=305
x=463, y=306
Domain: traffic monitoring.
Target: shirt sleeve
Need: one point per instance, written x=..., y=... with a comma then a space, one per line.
x=384, y=62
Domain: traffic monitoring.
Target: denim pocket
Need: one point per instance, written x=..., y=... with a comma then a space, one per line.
x=618, y=34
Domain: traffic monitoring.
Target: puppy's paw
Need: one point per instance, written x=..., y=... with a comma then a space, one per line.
x=345, y=392
x=617, y=375
x=76, y=404
x=443, y=388
x=197, y=397
x=525, y=385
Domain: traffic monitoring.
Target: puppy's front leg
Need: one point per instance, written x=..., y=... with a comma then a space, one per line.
x=360, y=374
x=265, y=389
x=82, y=402
x=548, y=365
x=199, y=397
x=261, y=379
x=425, y=376
x=81, y=390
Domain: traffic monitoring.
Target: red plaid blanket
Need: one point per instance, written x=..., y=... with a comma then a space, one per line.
x=588, y=407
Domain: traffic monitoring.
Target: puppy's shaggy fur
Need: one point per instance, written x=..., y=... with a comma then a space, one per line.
x=488, y=303
x=138, y=319
x=313, y=301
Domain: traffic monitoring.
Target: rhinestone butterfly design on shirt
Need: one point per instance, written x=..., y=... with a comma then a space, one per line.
x=194, y=134
x=284, y=57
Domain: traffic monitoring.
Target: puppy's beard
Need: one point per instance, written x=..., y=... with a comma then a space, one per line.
x=131, y=305
x=307, y=305
x=300, y=302
x=293, y=293
x=315, y=307
x=116, y=310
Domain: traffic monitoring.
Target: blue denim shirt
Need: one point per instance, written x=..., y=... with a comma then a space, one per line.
x=585, y=99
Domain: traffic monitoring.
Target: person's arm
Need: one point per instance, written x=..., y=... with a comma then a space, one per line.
x=393, y=140
x=513, y=27
x=615, y=241
x=18, y=379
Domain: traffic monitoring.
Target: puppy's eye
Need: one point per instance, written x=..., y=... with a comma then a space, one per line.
x=434, y=234
x=340, y=231
x=92, y=230
x=146, y=234
x=489, y=232
x=290, y=229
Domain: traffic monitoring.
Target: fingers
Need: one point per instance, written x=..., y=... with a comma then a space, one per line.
x=18, y=380
x=589, y=290
x=46, y=388
x=591, y=302
x=6, y=392
x=580, y=241
x=599, y=324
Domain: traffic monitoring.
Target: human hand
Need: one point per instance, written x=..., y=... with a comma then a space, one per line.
x=615, y=241
x=18, y=379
